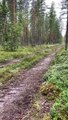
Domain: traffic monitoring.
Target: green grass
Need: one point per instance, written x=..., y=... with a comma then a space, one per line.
x=24, y=51
x=29, y=55
x=57, y=85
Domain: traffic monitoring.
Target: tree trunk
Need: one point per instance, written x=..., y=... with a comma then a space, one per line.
x=4, y=21
x=14, y=11
x=66, y=41
x=33, y=24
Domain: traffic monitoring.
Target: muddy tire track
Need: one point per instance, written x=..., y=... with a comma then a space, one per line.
x=15, y=100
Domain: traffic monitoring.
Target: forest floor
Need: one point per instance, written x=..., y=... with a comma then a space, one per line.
x=11, y=63
x=17, y=97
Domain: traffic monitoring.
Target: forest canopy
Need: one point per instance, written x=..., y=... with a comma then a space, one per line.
x=26, y=22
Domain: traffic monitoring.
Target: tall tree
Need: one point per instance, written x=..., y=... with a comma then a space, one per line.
x=54, y=26
x=25, y=21
x=51, y=22
x=4, y=20
x=37, y=21
x=12, y=10
x=33, y=22
x=24, y=18
x=65, y=7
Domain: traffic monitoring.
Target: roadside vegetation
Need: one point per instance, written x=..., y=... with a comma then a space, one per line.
x=51, y=102
x=28, y=57
x=56, y=87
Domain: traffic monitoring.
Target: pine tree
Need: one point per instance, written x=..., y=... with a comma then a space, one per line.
x=37, y=21
x=54, y=26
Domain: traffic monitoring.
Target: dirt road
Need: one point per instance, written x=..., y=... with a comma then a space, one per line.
x=16, y=99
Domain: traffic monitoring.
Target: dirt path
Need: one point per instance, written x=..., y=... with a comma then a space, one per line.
x=16, y=99
x=10, y=62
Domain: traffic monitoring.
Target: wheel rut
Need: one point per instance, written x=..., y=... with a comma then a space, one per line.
x=16, y=99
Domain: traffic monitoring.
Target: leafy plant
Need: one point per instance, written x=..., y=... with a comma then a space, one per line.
x=58, y=76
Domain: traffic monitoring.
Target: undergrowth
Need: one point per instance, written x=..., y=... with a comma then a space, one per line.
x=28, y=55
x=56, y=87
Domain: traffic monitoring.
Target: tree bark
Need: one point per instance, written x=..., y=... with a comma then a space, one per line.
x=14, y=10
x=4, y=21
x=66, y=41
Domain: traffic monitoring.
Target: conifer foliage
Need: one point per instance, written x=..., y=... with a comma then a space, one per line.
x=26, y=22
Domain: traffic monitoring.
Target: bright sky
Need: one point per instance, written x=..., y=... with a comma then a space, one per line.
x=58, y=10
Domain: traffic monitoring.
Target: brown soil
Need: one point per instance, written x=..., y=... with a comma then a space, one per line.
x=16, y=99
